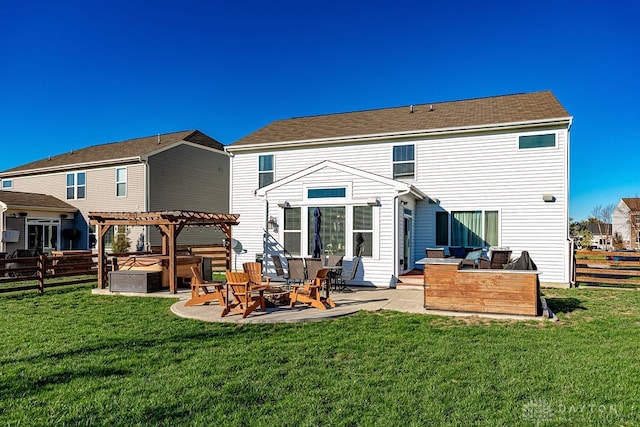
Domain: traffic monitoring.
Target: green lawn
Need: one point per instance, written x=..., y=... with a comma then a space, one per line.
x=70, y=358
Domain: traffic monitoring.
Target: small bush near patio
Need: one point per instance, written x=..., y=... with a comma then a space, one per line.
x=71, y=358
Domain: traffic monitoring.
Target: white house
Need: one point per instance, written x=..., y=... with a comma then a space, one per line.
x=392, y=182
x=626, y=221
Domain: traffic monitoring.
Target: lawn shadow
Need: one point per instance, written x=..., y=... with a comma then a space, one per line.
x=23, y=385
x=564, y=305
x=26, y=294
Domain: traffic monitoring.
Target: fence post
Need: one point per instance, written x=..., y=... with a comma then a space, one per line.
x=40, y=270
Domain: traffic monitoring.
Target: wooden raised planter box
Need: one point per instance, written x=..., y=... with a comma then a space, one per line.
x=481, y=291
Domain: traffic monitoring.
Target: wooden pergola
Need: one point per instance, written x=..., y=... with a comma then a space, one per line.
x=169, y=224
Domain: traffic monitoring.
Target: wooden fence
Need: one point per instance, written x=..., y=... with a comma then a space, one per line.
x=608, y=268
x=217, y=254
x=46, y=271
x=21, y=274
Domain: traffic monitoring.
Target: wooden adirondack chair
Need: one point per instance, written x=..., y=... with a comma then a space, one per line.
x=244, y=300
x=310, y=292
x=200, y=292
x=273, y=294
x=254, y=270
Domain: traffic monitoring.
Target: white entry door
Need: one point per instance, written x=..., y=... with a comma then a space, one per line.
x=407, y=260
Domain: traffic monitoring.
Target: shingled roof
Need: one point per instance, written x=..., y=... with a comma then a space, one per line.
x=632, y=202
x=596, y=228
x=131, y=148
x=519, y=108
x=16, y=199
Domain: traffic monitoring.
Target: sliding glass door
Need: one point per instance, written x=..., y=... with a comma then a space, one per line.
x=43, y=235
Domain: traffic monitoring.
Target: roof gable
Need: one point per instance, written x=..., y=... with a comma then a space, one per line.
x=519, y=108
x=633, y=203
x=129, y=149
x=398, y=185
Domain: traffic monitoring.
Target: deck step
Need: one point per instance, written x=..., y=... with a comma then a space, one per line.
x=409, y=286
x=407, y=282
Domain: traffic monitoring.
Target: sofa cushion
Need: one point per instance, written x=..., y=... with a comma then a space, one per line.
x=457, y=251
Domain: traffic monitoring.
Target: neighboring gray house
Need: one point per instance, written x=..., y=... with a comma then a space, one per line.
x=391, y=182
x=177, y=171
x=626, y=221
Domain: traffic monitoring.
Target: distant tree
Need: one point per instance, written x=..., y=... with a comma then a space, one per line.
x=602, y=216
x=586, y=239
x=617, y=241
x=575, y=228
x=121, y=240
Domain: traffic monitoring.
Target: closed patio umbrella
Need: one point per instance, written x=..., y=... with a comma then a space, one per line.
x=316, y=245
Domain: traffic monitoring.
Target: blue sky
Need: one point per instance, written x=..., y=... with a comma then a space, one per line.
x=79, y=73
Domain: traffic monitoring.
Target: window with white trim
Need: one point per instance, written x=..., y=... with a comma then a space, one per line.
x=121, y=182
x=7, y=184
x=442, y=228
x=363, y=231
x=292, y=230
x=265, y=170
x=475, y=228
x=76, y=185
x=333, y=225
x=93, y=240
x=404, y=162
x=537, y=141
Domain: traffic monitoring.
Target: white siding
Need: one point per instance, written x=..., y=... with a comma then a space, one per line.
x=491, y=173
x=620, y=222
x=375, y=270
x=469, y=172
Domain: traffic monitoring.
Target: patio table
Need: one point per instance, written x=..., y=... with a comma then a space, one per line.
x=334, y=272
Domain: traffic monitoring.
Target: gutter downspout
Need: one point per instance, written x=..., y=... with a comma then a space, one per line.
x=265, y=234
x=396, y=238
x=145, y=208
x=571, y=260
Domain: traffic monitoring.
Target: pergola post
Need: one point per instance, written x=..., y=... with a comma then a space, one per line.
x=102, y=265
x=227, y=245
x=169, y=236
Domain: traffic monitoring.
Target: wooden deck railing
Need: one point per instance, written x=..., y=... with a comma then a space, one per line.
x=21, y=274
x=608, y=268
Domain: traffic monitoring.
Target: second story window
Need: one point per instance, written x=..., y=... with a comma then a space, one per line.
x=537, y=141
x=265, y=170
x=76, y=185
x=7, y=184
x=403, y=162
x=121, y=182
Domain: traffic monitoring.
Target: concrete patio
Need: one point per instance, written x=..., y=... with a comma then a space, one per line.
x=349, y=302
